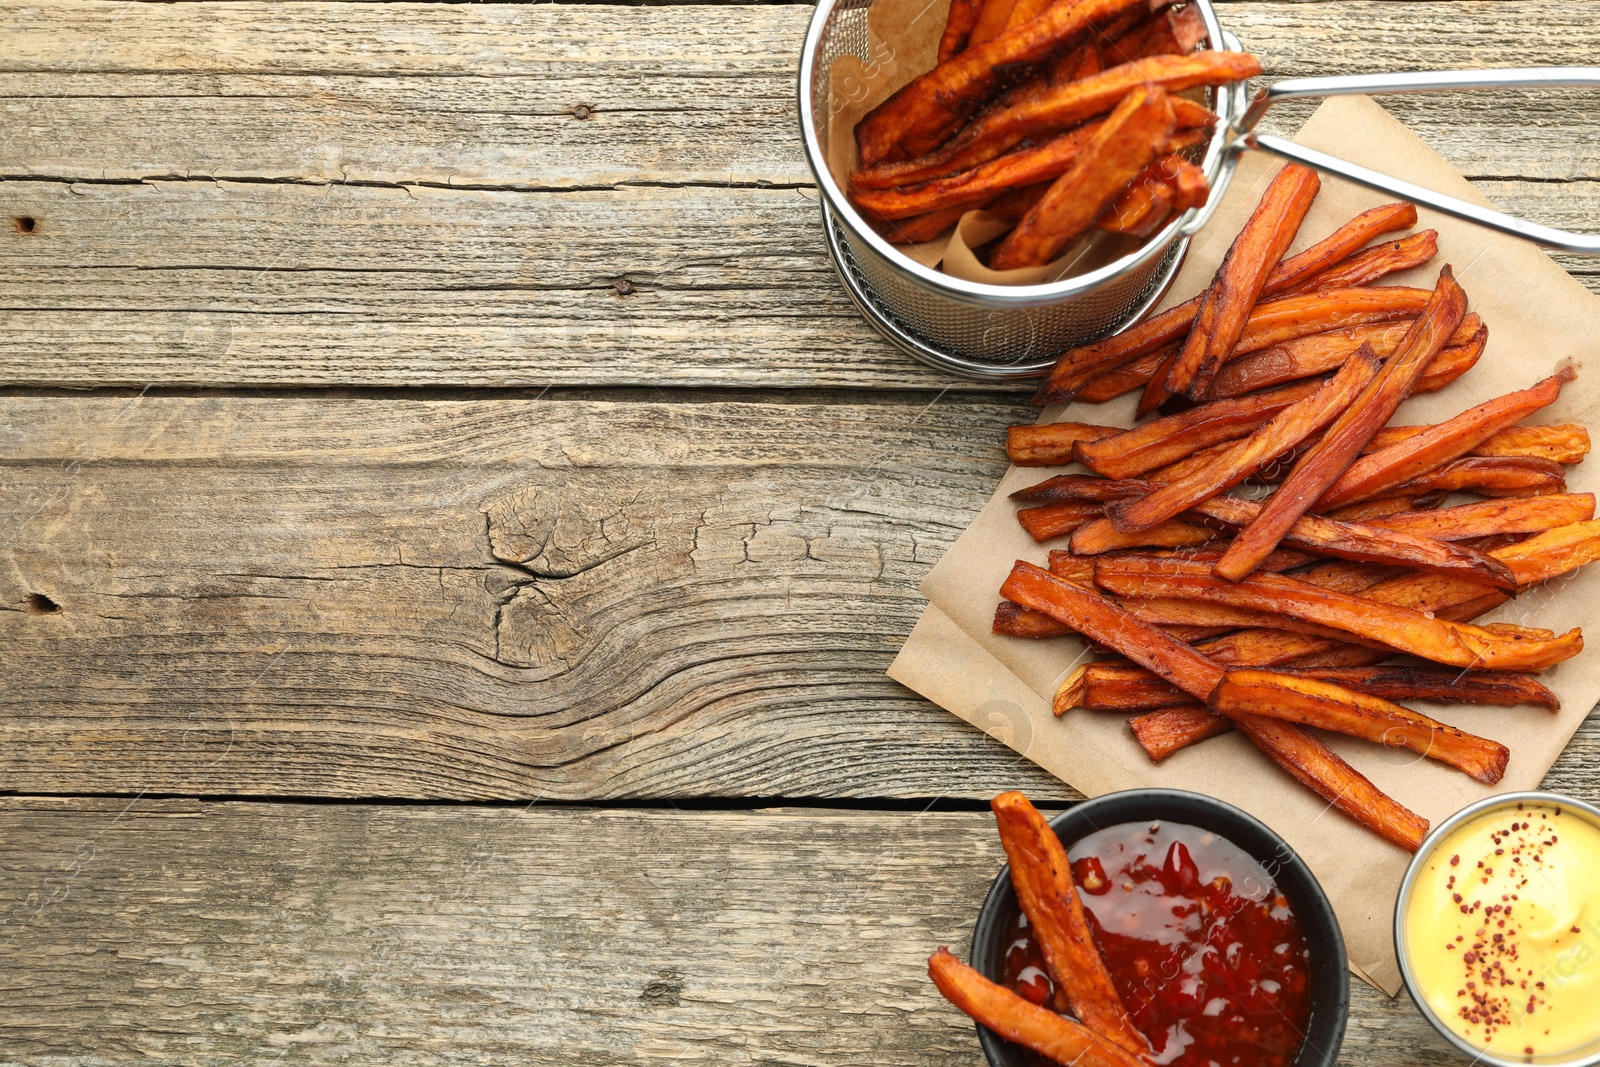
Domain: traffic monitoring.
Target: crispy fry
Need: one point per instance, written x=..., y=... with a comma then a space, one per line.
x=1340, y=245
x=1567, y=443
x=1051, y=1035
x=1272, y=322
x=1306, y=758
x=1316, y=765
x=1161, y=733
x=1322, y=352
x=1065, y=565
x=1042, y=878
x=1277, y=435
x=957, y=27
x=1169, y=534
x=924, y=112
x=1488, y=518
x=1116, y=687
x=1452, y=363
x=1081, y=487
x=1493, y=476
x=1050, y=110
x=1351, y=541
x=1390, y=257
x=1127, y=142
x=1555, y=552
x=1100, y=620
x=1174, y=437
x=1014, y=620
x=921, y=228
x=1225, y=308
x=1382, y=508
x=1403, y=629
x=1046, y=161
x=1054, y=520
x=1378, y=471
x=1081, y=62
x=1147, y=199
x=1329, y=706
x=1050, y=444
x=992, y=19
x=1343, y=441
x=1168, y=612
x=1168, y=33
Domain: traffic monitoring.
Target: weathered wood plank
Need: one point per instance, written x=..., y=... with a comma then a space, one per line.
x=568, y=599
x=174, y=931
x=553, y=598
x=201, y=283
x=485, y=94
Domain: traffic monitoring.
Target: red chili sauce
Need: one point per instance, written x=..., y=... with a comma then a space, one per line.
x=1209, y=960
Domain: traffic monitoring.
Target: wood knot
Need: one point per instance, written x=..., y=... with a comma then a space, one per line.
x=583, y=111
x=24, y=223
x=624, y=287
x=39, y=604
x=665, y=991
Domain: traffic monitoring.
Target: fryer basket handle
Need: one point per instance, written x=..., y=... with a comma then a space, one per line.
x=1419, y=82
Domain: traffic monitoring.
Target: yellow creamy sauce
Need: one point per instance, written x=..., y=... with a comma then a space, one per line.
x=1503, y=931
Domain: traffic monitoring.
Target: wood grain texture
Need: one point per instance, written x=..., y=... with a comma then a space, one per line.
x=348, y=253
x=556, y=598
x=203, y=283
x=183, y=932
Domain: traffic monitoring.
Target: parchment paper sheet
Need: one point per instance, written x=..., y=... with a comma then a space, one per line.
x=1537, y=316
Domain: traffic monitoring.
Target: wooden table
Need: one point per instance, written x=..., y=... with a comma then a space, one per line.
x=455, y=527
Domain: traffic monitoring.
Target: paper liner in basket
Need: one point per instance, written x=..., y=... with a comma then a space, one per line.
x=903, y=40
x=1537, y=316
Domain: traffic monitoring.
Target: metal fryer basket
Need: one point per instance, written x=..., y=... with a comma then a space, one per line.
x=969, y=328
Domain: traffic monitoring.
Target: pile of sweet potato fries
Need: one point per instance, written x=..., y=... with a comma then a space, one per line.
x=1275, y=609
x=1056, y=116
x=1102, y=1035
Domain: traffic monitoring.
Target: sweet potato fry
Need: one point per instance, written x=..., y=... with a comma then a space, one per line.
x=1327, y=459
x=1452, y=363
x=1277, y=435
x=1115, y=687
x=1042, y=162
x=1052, y=1035
x=991, y=21
x=1083, y=61
x=1014, y=620
x=1329, y=706
x=1302, y=755
x=1226, y=305
x=1051, y=110
x=1148, y=199
x=925, y=111
x=1168, y=33
x=1161, y=733
x=1169, y=534
x=1567, y=443
x=1492, y=476
x=919, y=228
x=1340, y=245
x=1351, y=541
x=1100, y=620
x=1383, y=507
x=1168, y=612
x=1555, y=552
x=1127, y=142
x=1488, y=518
x=1272, y=322
x=1081, y=487
x=1376, y=472
x=1054, y=520
x=1364, y=618
x=1390, y=257
x=1078, y=571
x=1319, y=353
x=1315, y=765
x=1174, y=437
x=957, y=27
x=1050, y=444
x=1042, y=878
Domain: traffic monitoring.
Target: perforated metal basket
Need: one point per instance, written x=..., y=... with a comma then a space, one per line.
x=970, y=328
x=999, y=332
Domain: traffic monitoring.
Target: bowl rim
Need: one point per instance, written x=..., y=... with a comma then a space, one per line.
x=1283, y=855
x=1218, y=164
x=1429, y=845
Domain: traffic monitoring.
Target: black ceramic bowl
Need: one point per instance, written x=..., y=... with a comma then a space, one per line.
x=1330, y=980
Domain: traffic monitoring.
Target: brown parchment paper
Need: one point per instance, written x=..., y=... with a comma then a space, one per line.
x=903, y=43
x=1537, y=316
